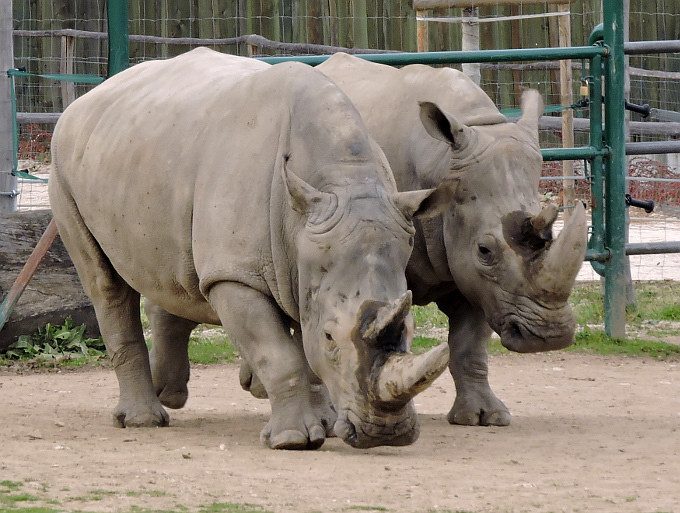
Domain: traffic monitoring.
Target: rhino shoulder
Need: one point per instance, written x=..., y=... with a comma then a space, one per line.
x=345, y=69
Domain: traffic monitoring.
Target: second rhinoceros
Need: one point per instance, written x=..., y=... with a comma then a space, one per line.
x=230, y=192
x=490, y=260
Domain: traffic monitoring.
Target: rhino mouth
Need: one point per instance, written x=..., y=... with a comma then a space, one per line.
x=389, y=429
x=519, y=337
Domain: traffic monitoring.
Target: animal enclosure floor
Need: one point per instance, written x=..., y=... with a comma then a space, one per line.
x=589, y=434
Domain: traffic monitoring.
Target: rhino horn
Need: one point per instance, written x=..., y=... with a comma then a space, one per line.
x=545, y=218
x=444, y=126
x=376, y=317
x=532, y=106
x=404, y=375
x=565, y=256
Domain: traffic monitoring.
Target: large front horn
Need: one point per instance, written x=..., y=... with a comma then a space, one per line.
x=404, y=375
x=565, y=256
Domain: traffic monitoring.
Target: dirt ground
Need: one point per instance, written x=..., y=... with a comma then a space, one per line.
x=589, y=434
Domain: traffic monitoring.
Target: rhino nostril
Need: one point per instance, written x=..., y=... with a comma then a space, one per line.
x=514, y=330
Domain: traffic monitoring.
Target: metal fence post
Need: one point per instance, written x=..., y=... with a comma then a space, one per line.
x=615, y=138
x=119, y=47
x=8, y=182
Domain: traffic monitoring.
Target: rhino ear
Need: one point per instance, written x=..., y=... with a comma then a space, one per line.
x=443, y=126
x=427, y=202
x=303, y=198
x=532, y=109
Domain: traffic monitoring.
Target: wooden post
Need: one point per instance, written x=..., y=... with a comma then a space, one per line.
x=566, y=98
x=8, y=182
x=470, y=42
x=68, y=89
x=360, y=23
x=421, y=31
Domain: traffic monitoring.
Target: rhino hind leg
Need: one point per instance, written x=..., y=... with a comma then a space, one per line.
x=262, y=334
x=169, y=355
x=475, y=403
x=117, y=308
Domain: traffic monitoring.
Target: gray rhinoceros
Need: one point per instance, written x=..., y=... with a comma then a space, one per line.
x=231, y=192
x=490, y=260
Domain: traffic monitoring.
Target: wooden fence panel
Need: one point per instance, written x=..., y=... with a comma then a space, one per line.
x=380, y=24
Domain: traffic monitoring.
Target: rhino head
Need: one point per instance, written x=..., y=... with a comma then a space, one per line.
x=354, y=304
x=499, y=242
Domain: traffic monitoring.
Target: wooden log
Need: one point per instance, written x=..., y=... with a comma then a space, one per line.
x=26, y=274
x=55, y=291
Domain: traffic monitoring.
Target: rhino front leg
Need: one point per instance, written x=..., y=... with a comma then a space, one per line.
x=169, y=355
x=321, y=399
x=262, y=334
x=475, y=402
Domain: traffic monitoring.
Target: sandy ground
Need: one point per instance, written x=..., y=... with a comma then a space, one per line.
x=589, y=434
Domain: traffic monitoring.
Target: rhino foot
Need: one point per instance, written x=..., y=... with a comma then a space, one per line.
x=170, y=377
x=134, y=416
x=173, y=397
x=479, y=411
x=290, y=428
x=294, y=440
x=320, y=398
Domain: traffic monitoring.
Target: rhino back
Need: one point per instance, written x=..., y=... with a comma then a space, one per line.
x=387, y=99
x=170, y=163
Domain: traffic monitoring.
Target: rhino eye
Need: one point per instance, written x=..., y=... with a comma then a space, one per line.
x=332, y=348
x=487, y=249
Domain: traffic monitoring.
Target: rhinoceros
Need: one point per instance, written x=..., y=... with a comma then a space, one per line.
x=231, y=192
x=490, y=260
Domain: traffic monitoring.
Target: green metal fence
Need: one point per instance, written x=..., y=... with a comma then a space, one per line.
x=605, y=151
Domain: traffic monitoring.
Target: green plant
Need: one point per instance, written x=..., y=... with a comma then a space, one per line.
x=211, y=345
x=56, y=343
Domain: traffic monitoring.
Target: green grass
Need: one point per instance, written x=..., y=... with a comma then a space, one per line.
x=654, y=301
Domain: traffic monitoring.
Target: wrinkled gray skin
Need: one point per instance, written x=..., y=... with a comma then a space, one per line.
x=230, y=192
x=490, y=260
